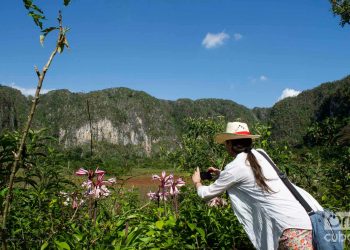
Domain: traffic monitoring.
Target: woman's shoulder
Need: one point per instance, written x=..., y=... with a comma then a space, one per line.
x=238, y=162
x=259, y=150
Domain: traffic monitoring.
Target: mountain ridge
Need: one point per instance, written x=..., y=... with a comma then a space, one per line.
x=132, y=117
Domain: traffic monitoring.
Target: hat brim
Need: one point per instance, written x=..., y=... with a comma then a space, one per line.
x=222, y=137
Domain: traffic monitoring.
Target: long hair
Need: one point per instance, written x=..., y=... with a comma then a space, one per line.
x=245, y=145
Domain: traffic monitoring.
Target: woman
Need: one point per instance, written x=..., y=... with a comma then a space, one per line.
x=271, y=216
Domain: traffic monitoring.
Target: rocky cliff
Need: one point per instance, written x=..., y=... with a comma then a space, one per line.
x=118, y=116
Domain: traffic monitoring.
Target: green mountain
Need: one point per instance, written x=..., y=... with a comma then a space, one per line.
x=13, y=108
x=291, y=117
x=119, y=116
x=126, y=117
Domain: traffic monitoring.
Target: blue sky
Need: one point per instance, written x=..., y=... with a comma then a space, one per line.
x=245, y=51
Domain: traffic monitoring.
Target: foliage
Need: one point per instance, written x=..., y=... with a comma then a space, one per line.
x=37, y=14
x=291, y=117
x=198, y=226
x=13, y=109
x=198, y=148
x=35, y=148
x=40, y=217
x=342, y=9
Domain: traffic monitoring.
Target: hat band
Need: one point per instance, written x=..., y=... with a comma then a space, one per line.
x=242, y=133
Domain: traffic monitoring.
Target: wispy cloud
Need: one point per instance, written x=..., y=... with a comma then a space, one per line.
x=237, y=36
x=214, y=40
x=26, y=91
x=288, y=93
x=263, y=78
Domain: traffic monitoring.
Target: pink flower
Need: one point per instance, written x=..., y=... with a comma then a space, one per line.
x=175, y=185
x=99, y=191
x=82, y=171
x=152, y=196
x=90, y=173
x=87, y=184
x=217, y=202
x=96, y=187
x=164, y=196
x=166, y=187
x=99, y=172
x=165, y=181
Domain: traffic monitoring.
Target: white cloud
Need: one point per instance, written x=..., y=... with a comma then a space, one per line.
x=214, y=40
x=288, y=93
x=237, y=36
x=263, y=78
x=26, y=91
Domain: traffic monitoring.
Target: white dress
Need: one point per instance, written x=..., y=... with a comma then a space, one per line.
x=264, y=215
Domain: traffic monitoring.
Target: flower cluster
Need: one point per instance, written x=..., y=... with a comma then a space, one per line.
x=217, y=202
x=168, y=187
x=95, y=186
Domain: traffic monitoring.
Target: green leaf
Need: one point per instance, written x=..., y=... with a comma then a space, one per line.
x=62, y=245
x=37, y=19
x=160, y=224
x=27, y=3
x=3, y=192
x=43, y=246
x=171, y=221
x=66, y=2
x=79, y=237
x=47, y=30
x=36, y=8
x=191, y=226
x=45, y=33
x=201, y=232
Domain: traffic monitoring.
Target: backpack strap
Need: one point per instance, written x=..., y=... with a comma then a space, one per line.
x=289, y=185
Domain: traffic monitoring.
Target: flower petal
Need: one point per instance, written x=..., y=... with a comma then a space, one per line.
x=99, y=172
x=81, y=171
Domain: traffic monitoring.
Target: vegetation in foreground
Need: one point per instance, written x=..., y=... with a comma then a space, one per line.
x=53, y=210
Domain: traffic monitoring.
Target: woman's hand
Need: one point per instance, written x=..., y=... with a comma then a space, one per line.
x=196, y=177
x=214, y=170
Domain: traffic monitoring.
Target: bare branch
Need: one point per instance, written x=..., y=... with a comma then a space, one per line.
x=37, y=71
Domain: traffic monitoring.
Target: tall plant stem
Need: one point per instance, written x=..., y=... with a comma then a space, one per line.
x=18, y=154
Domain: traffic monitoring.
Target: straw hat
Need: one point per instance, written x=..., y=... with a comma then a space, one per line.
x=234, y=130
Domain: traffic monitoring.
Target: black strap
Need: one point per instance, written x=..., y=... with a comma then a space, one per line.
x=288, y=184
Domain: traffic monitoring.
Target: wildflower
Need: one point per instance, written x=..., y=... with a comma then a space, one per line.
x=174, y=186
x=165, y=181
x=153, y=196
x=82, y=171
x=89, y=173
x=168, y=186
x=217, y=202
x=96, y=188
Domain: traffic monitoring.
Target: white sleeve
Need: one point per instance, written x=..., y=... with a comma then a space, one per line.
x=225, y=181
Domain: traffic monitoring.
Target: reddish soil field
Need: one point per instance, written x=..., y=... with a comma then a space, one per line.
x=144, y=184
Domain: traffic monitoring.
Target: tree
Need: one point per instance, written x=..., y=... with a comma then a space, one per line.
x=342, y=9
